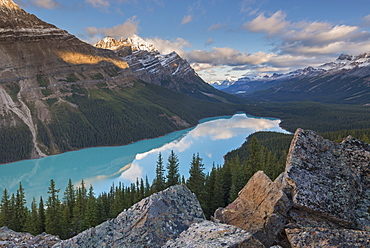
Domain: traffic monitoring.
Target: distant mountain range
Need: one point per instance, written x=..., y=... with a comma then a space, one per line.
x=345, y=80
x=58, y=93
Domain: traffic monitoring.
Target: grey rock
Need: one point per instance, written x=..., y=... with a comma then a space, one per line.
x=148, y=223
x=209, y=234
x=10, y=238
x=330, y=180
x=329, y=238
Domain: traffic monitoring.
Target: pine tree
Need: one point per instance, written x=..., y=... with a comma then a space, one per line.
x=142, y=189
x=90, y=218
x=65, y=222
x=33, y=219
x=79, y=207
x=159, y=181
x=53, y=214
x=5, y=211
x=21, y=211
x=41, y=221
x=13, y=221
x=147, y=187
x=69, y=199
x=209, y=193
x=196, y=178
x=173, y=175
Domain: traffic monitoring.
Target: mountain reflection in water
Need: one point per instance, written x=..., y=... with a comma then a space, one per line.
x=102, y=166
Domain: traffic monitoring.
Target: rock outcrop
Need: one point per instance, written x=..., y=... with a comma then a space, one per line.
x=321, y=200
x=261, y=209
x=149, y=223
x=9, y=238
x=208, y=234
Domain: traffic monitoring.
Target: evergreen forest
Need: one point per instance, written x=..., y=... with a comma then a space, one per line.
x=78, y=208
x=75, y=209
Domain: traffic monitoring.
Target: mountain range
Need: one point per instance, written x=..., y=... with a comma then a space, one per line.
x=345, y=80
x=58, y=93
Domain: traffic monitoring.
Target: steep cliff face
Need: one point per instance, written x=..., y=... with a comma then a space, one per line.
x=38, y=64
x=321, y=200
x=58, y=93
x=169, y=70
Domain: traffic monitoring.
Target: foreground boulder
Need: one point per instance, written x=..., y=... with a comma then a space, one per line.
x=148, y=223
x=327, y=237
x=321, y=200
x=329, y=179
x=208, y=234
x=10, y=238
x=260, y=208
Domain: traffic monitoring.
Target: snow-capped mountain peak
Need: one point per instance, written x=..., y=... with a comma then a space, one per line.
x=135, y=42
x=138, y=44
x=8, y=3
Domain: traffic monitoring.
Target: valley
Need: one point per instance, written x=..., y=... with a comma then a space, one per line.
x=125, y=121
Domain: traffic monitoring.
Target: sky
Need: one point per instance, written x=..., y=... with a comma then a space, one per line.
x=222, y=39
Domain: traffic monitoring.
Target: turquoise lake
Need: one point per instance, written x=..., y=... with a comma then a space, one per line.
x=212, y=138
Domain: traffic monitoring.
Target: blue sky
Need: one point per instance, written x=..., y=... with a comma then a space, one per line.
x=223, y=38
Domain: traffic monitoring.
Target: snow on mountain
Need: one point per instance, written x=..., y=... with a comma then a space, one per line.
x=343, y=62
x=167, y=70
x=135, y=42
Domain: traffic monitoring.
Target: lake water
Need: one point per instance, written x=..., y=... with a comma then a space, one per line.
x=211, y=138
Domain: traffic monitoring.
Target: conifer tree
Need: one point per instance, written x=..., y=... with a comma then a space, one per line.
x=159, y=180
x=147, y=187
x=41, y=221
x=196, y=178
x=5, y=211
x=90, y=218
x=69, y=199
x=209, y=197
x=21, y=211
x=79, y=207
x=32, y=221
x=254, y=154
x=12, y=214
x=53, y=214
x=173, y=175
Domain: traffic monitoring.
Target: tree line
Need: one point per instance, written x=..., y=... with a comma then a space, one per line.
x=79, y=209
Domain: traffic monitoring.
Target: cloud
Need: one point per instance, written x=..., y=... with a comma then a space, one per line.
x=310, y=38
x=209, y=42
x=227, y=56
x=271, y=25
x=366, y=21
x=216, y=27
x=187, y=19
x=202, y=66
x=124, y=30
x=168, y=46
x=99, y=3
x=47, y=4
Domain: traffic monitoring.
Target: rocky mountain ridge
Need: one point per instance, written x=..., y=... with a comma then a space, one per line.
x=321, y=200
x=55, y=90
x=166, y=70
x=344, y=80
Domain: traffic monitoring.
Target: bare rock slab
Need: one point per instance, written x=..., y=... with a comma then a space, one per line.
x=10, y=238
x=208, y=234
x=149, y=223
x=260, y=209
x=328, y=238
x=330, y=180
